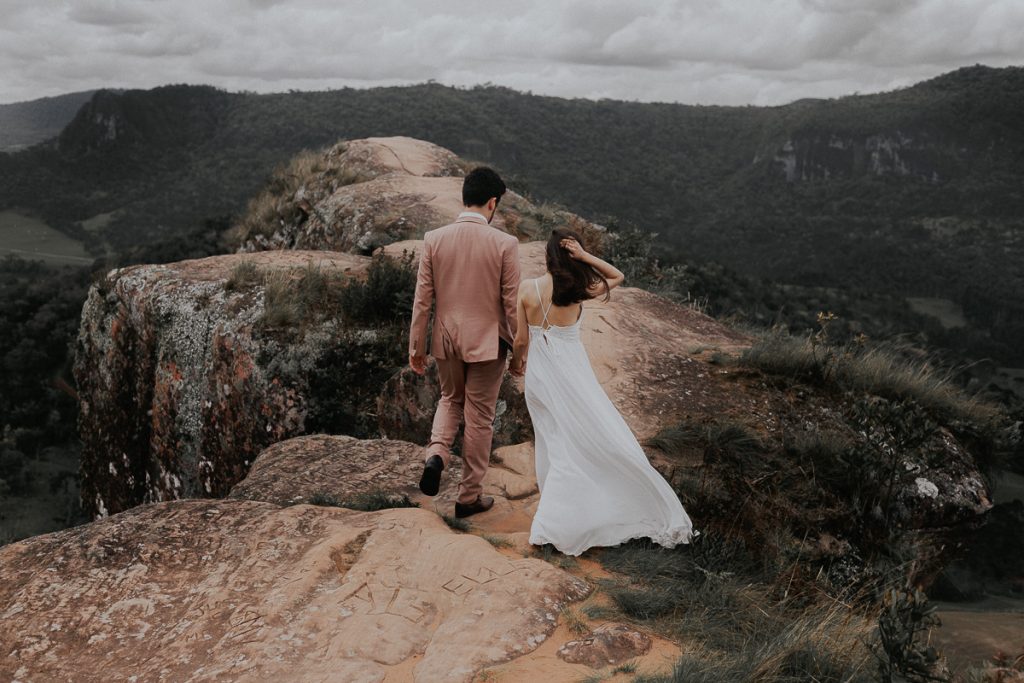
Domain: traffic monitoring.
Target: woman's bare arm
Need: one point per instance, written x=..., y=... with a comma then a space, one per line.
x=610, y=272
x=522, y=341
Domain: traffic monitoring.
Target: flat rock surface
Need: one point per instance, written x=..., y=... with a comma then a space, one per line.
x=294, y=470
x=205, y=590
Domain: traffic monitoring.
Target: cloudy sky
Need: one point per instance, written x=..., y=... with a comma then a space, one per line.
x=693, y=51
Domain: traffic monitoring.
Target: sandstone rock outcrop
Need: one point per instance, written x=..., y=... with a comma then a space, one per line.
x=179, y=391
x=363, y=194
x=181, y=387
x=207, y=590
x=190, y=389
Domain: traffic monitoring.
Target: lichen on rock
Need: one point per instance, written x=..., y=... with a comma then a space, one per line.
x=180, y=384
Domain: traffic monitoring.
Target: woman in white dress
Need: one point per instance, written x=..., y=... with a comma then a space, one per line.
x=597, y=487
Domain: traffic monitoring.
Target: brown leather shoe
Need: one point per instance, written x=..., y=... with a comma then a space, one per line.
x=482, y=504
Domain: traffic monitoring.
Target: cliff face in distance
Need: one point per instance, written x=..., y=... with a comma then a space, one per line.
x=23, y=124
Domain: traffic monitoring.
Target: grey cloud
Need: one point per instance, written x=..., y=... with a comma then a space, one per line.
x=116, y=13
x=700, y=51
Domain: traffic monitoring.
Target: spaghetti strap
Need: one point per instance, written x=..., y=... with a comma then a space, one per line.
x=540, y=300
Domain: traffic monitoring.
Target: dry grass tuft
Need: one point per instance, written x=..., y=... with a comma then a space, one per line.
x=311, y=175
x=878, y=370
x=576, y=622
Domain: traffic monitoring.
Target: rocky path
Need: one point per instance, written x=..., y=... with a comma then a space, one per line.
x=512, y=483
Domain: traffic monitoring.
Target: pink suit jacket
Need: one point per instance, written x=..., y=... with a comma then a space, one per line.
x=470, y=271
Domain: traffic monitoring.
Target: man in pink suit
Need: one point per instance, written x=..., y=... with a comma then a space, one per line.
x=470, y=271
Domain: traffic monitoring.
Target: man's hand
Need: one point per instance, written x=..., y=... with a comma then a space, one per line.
x=517, y=368
x=418, y=363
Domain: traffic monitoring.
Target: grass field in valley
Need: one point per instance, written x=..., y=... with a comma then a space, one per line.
x=33, y=239
x=948, y=312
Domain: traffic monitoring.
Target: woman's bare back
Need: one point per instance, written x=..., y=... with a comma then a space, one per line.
x=562, y=316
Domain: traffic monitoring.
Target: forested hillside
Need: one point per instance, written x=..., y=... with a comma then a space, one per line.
x=23, y=124
x=914, y=192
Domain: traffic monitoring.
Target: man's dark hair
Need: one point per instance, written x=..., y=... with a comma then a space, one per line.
x=481, y=184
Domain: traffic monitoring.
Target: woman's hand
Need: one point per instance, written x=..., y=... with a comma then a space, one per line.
x=574, y=248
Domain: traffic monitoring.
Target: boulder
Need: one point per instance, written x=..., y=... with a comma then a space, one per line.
x=605, y=645
x=342, y=470
x=181, y=384
x=375, y=157
x=205, y=590
x=294, y=470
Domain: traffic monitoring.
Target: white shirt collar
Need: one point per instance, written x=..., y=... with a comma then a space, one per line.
x=473, y=213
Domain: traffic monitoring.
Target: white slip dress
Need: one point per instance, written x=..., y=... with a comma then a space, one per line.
x=597, y=487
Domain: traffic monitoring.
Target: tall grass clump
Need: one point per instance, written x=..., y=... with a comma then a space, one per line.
x=292, y=189
x=719, y=439
x=244, y=274
x=280, y=306
x=884, y=371
x=296, y=297
x=275, y=206
x=879, y=370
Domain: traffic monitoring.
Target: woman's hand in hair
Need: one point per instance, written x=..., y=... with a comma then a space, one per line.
x=574, y=248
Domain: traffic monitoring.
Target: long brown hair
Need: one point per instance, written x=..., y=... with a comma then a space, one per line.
x=570, y=279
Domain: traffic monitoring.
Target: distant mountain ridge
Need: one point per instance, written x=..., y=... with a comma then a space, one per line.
x=23, y=124
x=916, y=191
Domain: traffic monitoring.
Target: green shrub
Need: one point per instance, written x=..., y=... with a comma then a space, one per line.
x=13, y=476
x=387, y=293
x=325, y=499
x=902, y=639
x=456, y=523
x=295, y=297
x=368, y=501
